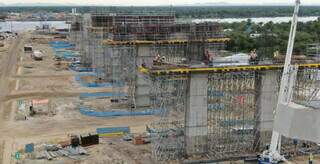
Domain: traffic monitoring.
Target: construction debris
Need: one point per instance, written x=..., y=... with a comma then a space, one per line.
x=55, y=151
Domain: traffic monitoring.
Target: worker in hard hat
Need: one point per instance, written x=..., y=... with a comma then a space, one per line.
x=253, y=57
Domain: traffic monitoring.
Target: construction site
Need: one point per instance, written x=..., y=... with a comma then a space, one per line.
x=145, y=88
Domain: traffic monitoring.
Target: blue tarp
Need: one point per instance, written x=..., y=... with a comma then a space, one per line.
x=113, y=130
x=67, y=54
x=60, y=50
x=89, y=112
x=29, y=148
x=61, y=45
x=81, y=69
x=101, y=95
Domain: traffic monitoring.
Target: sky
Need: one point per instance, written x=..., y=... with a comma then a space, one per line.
x=154, y=2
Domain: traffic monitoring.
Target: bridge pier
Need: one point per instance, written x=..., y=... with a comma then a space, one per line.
x=196, y=136
x=142, y=85
x=196, y=121
x=268, y=99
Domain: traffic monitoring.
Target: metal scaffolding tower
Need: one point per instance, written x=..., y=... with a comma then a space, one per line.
x=239, y=112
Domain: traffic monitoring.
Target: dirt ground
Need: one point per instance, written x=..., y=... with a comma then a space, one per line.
x=27, y=79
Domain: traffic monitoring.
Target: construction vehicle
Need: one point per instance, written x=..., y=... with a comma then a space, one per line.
x=273, y=155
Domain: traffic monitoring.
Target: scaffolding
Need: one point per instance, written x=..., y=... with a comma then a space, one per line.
x=168, y=96
x=110, y=20
x=239, y=106
x=237, y=120
x=122, y=42
x=122, y=69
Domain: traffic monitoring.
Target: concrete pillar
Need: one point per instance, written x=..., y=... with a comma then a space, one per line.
x=142, y=84
x=196, y=115
x=142, y=91
x=266, y=89
x=144, y=55
x=268, y=99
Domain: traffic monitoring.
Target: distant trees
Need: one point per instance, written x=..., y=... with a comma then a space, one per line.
x=182, y=11
x=273, y=37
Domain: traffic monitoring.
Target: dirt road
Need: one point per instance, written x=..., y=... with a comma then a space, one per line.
x=8, y=67
x=43, y=81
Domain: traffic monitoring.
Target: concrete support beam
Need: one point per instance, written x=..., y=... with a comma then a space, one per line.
x=196, y=115
x=297, y=121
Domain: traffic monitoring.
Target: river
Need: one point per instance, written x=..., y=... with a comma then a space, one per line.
x=31, y=25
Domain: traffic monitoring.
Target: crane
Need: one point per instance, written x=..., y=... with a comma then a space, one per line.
x=273, y=155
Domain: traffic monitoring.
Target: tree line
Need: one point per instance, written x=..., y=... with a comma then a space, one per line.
x=270, y=37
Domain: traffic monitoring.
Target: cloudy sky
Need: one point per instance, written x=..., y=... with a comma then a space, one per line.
x=153, y=2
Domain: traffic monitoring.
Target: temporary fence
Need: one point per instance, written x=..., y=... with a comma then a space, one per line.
x=80, y=69
x=101, y=95
x=90, y=112
x=113, y=130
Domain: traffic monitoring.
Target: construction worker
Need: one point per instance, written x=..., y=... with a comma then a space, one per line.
x=209, y=56
x=253, y=57
x=311, y=158
x=156, y=59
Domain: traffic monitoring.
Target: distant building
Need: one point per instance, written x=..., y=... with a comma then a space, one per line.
x=228, y=30
x=255, y=35
x=313, y=50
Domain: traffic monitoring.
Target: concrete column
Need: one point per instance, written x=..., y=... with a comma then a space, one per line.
x=266, y=90
x=144, y=55
x=196, y=115
x=268, y=99
x=142, y=84
x=142, y=92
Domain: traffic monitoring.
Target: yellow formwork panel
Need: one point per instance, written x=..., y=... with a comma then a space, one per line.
x=222, y=69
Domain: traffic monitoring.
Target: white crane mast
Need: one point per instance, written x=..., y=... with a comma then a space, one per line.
x=284, y=96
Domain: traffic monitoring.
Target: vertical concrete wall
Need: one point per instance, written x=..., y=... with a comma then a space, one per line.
x=145, y=55
x=196, y=115
x=268, y=99
x=142, y=88
x=142, y=91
